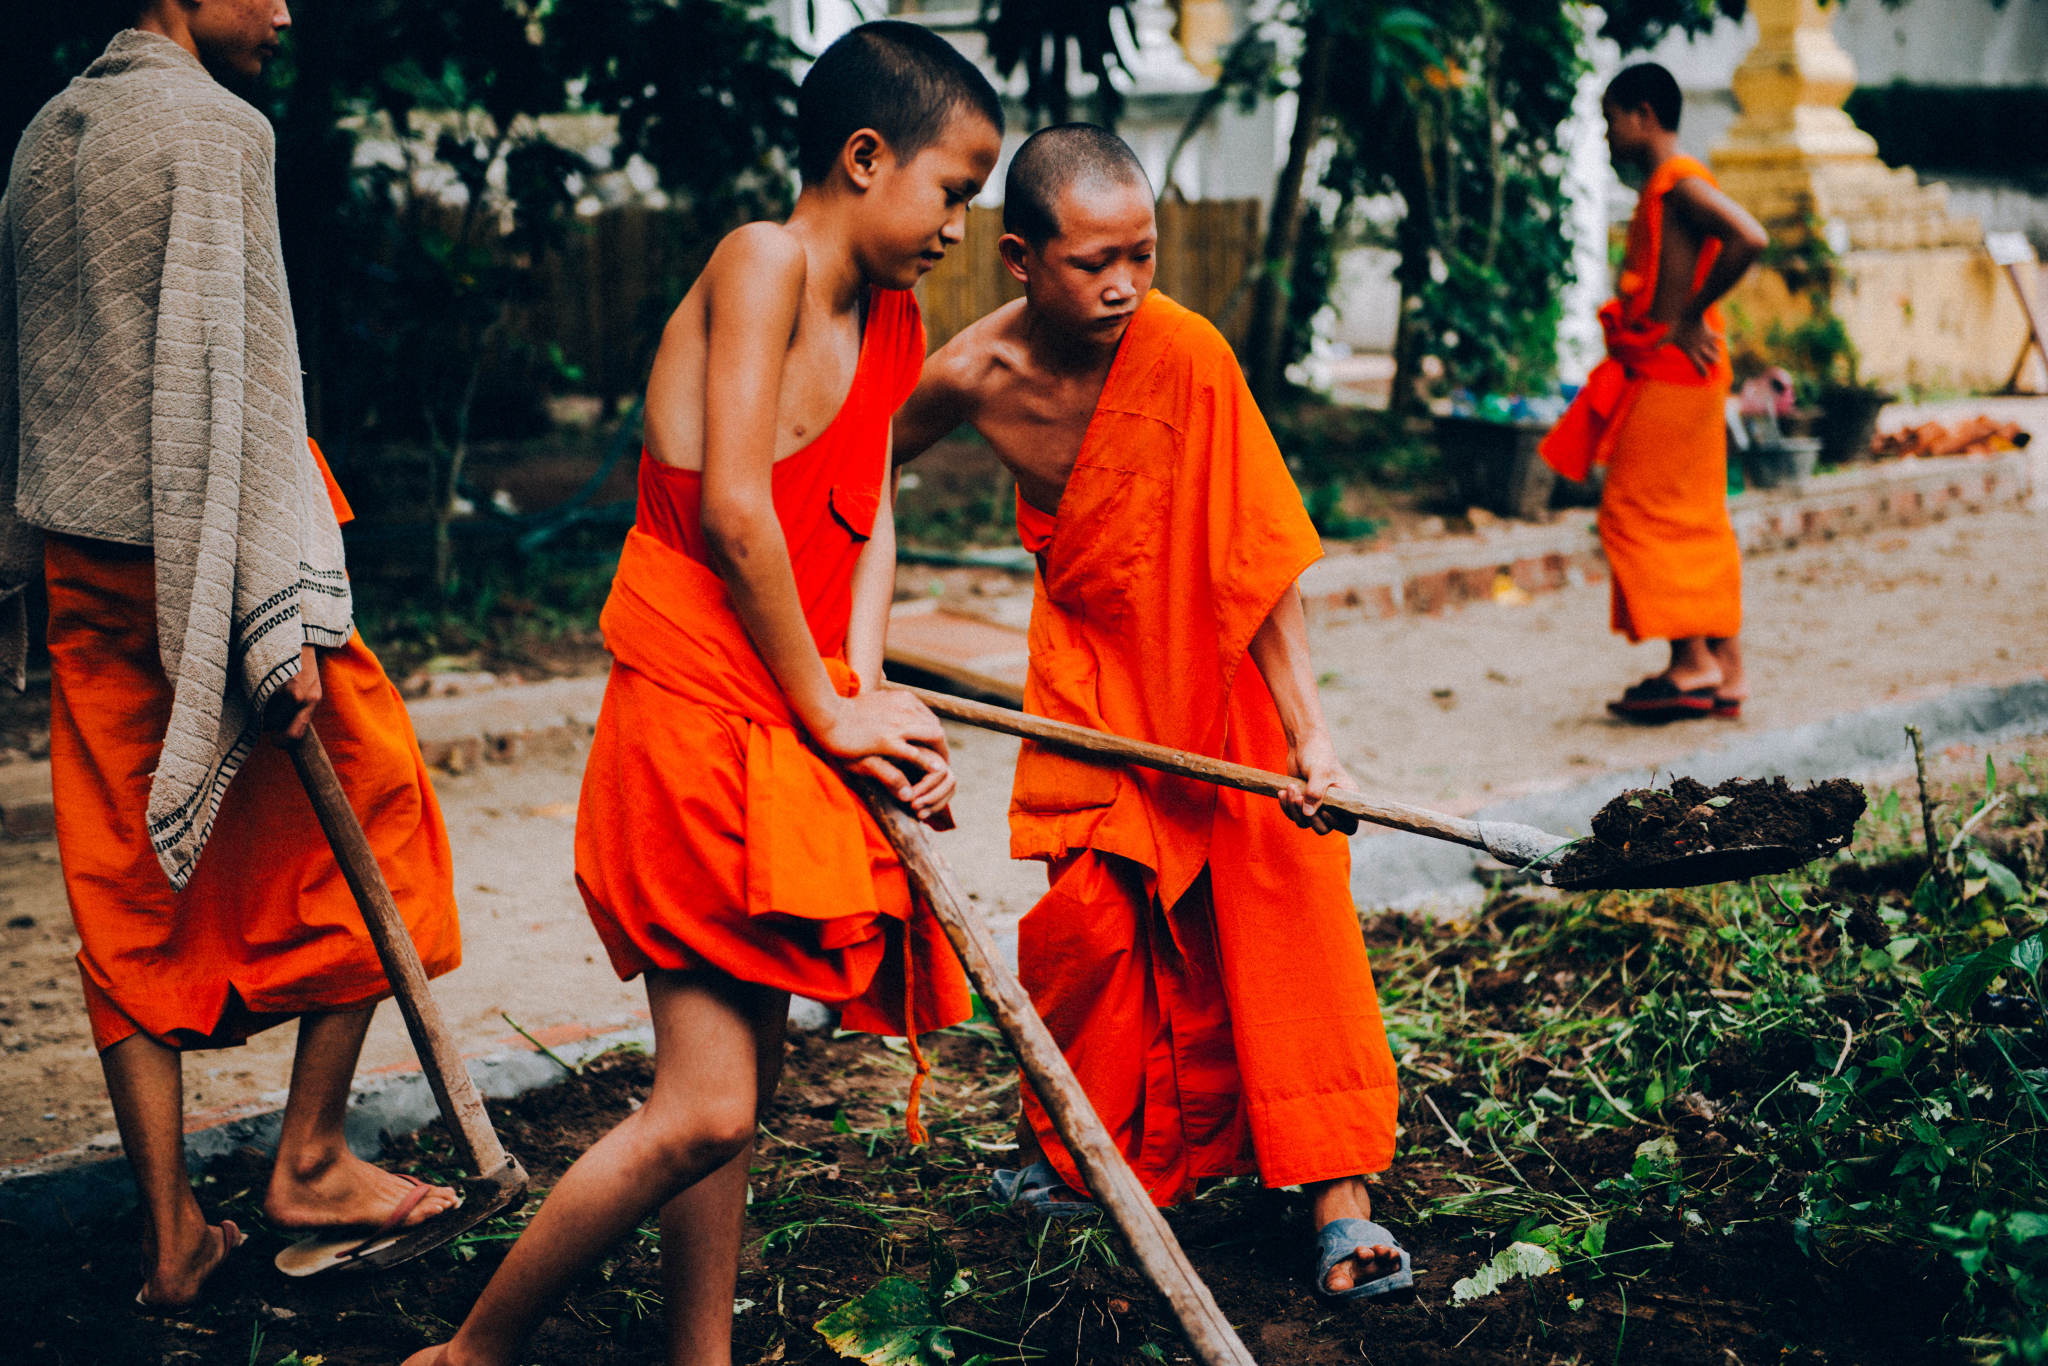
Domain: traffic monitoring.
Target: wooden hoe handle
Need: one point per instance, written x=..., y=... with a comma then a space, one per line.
x=1111, y=1181
x=446, y=1072
x=1121, y=749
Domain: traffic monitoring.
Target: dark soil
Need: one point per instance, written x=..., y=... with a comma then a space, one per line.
x=839, y=1201
x=1650, y=825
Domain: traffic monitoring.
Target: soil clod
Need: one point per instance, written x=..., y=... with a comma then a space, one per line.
x=1648, y=826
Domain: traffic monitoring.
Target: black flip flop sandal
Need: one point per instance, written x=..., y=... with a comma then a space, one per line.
x=1655, y=701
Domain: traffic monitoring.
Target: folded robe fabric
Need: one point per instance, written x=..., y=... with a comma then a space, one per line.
x=1656, y=422
x=266, y=927
x=1198, y=956
x=150, y=395
x=710, y=834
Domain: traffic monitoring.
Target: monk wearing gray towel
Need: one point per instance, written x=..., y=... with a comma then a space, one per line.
x=155, y=471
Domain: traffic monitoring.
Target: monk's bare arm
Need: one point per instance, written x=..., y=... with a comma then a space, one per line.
x=1705, y=212
x=1280, y=650
x=753, y=288
x=943, y=399
x=874, y=588
x=867, y=634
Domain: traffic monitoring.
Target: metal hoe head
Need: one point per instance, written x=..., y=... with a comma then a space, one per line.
x=481, y=1199
x=1524, y=846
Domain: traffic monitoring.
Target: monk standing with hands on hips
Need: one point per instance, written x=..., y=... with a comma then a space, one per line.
x=1653, y=413
x=155, y=470
x=1198, y=956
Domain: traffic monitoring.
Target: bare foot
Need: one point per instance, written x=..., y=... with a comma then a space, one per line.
x=1349, y=1199
x=343, y=1191
x=1695, y=664
x=432, y=1356
x=175, y=1279
x=1685, y=680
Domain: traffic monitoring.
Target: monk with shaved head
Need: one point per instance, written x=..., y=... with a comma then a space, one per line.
x=1198, y=955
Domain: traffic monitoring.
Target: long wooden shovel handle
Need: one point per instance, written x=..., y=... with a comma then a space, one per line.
x=442, y=1061
x=1109, y=1178
x=1395, y=815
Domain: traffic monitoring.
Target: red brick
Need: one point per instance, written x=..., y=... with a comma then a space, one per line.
x=1428, y=592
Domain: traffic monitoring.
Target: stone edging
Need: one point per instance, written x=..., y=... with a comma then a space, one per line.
x=45, y=1195
x=1500, y=562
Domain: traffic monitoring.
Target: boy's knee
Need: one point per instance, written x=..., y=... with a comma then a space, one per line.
x=701, y=1139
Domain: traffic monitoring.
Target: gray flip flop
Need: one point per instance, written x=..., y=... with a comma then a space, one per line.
x=1032, y=1189
x=1341, y=1238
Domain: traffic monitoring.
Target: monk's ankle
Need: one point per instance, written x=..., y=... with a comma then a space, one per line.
x=305, y=1166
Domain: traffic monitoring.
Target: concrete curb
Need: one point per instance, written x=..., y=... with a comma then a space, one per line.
x=1402, y=870
x=45, y=1196
x=1428, y=576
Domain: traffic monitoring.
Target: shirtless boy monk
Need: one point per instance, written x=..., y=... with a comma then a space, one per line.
x=1652, y=412
x=1198, y=956
x=718, y=848
x=155, y=471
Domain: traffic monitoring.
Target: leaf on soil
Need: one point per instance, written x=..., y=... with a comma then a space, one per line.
x=1664, y=1149
x=1518, y=1261
x=892, y=1325
x=1953, y=986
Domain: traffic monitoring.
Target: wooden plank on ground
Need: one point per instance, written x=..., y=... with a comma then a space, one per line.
x=977, y=656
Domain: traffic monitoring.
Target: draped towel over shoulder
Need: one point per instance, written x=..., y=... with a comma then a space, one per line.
x=150, y=395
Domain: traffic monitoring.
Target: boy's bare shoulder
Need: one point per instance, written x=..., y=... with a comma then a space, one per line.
x=985, y=353
x=759, y=254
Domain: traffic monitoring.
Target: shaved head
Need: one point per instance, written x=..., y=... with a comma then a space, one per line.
x=1055, y=159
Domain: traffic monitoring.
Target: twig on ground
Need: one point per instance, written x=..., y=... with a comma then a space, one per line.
x=1926, y=807
x=1457, y=1141
x=1620, y=1105
x=573, y=1069
x=1468, y=1337
x=1848, y=1042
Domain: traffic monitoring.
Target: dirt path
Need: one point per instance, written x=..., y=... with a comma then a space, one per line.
x=1833, y=628
x=1465, y=709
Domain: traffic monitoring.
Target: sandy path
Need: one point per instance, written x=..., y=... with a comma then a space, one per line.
x=1837, y=627
x=1832, y=628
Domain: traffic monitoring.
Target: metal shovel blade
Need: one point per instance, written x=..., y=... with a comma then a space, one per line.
x=481, y=1199
x=1698, y=868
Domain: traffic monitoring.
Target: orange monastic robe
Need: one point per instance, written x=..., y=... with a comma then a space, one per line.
x=1658, y=425
x=1198, y=956
x=710, y=834
x=266, y=929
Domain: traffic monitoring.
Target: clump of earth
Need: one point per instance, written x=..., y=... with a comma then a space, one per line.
x=1648, y=826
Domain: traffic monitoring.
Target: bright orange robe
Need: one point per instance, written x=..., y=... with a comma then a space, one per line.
x=710, y=833
x=1198, y=956
x=1658, y=425
x=266, y=929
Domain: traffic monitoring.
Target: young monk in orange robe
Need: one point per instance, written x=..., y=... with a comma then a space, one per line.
x=156, y=472
x=718, y=847
x=1652, y=412
x=1198, y=956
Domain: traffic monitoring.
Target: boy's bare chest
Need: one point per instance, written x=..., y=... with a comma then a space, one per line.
x=818, y=376
x=1037, y=425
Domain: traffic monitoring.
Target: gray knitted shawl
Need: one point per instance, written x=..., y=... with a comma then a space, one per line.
x=149, y=394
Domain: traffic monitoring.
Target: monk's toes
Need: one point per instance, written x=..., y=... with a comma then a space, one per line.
x=1380, y=1260
x=1365, y=1264
x=438, y=1202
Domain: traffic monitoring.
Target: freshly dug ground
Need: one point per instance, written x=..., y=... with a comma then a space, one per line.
x=1652, y=825
x=840, y=1201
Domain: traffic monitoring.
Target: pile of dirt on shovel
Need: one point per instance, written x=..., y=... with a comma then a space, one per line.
x=1650, y=825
